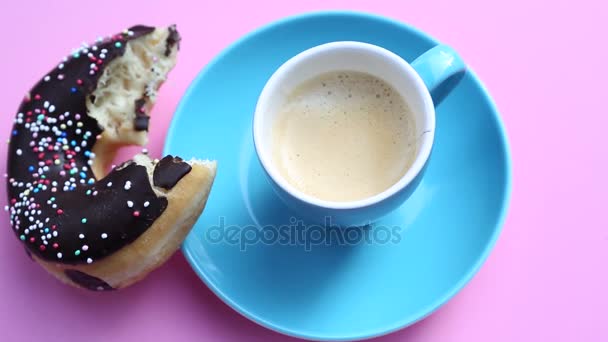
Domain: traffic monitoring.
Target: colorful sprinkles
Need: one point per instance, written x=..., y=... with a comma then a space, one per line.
x=53, y=156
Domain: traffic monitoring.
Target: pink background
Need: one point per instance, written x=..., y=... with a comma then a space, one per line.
x=545, y=63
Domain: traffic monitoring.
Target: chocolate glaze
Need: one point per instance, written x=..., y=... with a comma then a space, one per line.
x=141, y=123
x=174, y=38
x=57, y=207
x=87, y=281
x=169, y=171
x=142, y=120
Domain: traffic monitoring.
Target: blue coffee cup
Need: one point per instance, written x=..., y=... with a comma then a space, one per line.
x=425, y=81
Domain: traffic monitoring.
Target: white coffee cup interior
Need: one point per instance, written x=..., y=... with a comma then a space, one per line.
x=338, y=56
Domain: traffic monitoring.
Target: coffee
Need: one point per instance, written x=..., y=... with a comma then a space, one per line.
x=343, y=136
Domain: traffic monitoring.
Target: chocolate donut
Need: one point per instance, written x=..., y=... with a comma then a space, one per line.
x=89, y=229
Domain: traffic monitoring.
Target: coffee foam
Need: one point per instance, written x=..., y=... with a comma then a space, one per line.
x=344, y=136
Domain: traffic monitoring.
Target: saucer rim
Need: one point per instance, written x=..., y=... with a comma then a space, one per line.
x=397, y=324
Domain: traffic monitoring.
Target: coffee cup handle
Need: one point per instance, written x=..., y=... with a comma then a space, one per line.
x=440, y=68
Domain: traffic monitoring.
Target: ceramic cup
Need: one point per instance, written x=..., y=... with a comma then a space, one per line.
x=431, y=76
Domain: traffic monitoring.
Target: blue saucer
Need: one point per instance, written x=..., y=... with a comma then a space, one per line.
x=356, y=283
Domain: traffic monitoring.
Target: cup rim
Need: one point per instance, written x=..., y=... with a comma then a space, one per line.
x=427, y=137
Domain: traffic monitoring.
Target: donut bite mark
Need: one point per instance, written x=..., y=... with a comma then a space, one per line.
x=91, y=229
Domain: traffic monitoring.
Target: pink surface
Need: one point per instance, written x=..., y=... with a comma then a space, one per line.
x=545, y=63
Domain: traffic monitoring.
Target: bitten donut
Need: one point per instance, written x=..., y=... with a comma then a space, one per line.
x=91, y=229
